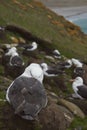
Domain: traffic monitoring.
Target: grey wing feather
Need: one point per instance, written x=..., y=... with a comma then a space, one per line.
x=29, y=90
x=82, y=91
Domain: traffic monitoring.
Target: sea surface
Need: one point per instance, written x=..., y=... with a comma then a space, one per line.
x=80, y=20
x=77, y=15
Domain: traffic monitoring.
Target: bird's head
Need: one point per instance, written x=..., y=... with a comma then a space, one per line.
x=34, y=43
x=44, y=66
x=77, y=81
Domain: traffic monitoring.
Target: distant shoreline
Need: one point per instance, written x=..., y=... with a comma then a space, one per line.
x=70, y=12
x=67, y=8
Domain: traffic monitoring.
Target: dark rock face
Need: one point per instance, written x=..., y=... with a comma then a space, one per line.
x=52, y=118
x=9, y=121
x=2, y=34
x=13, y=71
x=82, y=104
x=58, y=82
x=49, y=118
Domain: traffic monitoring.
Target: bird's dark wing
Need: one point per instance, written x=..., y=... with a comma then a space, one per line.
x=56, y=54
x=29, y=47
x=79, y=71
x=64, y=63
x=16, y=61
x=25, y=46
x=5, y=59
x=82, y=91
x=54, y=71
x=27, y=96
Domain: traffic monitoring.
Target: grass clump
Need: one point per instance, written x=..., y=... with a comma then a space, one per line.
x=45, y=24
x=78, y=123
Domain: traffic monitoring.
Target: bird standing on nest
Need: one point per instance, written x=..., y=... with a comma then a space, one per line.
x=79, y=88
x=26, y=93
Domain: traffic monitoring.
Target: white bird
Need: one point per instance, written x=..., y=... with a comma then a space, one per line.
x=31, y=47
x=79, y=88
x=65, y=64
x=57, y=54
x=50, y=71
x=34, y=70
x=27, y=94
x=12, y=51
x=15, y=59
x=13, y=63
x=68, y=63
x=76, y=62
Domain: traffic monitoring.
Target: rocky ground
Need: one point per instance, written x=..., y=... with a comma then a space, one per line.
x=60, y=110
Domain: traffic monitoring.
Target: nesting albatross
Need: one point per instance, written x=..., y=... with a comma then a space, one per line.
x=34, y=70
x=64, y=64
x=13, y=63
x=56, y=54
x=50, y=71
x=78, y=70
x=79, y=88
x=15, y=59
x=31, y=47
x=27, y=96
x=30, y=50
x=76, y=62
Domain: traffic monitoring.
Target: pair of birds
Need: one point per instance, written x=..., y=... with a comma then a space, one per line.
x=12, y=53
x=78, y=66
x=78, y=86
x=57, y=69
x=26, y=93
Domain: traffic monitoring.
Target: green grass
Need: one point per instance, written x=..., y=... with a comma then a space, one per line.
x=35, y=19
x=1, y=70
x=78, y=122
x=2, y=94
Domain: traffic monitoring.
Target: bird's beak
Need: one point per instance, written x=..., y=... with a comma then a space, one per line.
x=71, y=80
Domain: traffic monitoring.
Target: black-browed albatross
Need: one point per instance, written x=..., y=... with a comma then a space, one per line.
x=50, y=71
x=79, y=88
x=27, y=95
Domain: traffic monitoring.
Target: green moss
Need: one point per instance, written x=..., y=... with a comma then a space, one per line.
x=1, y=70
x=5, y=81
x=2, y=94
x=78, y=122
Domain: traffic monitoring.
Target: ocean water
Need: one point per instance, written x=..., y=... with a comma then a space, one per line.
x=82, y=23
x=80, y=20
x=76, y=15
